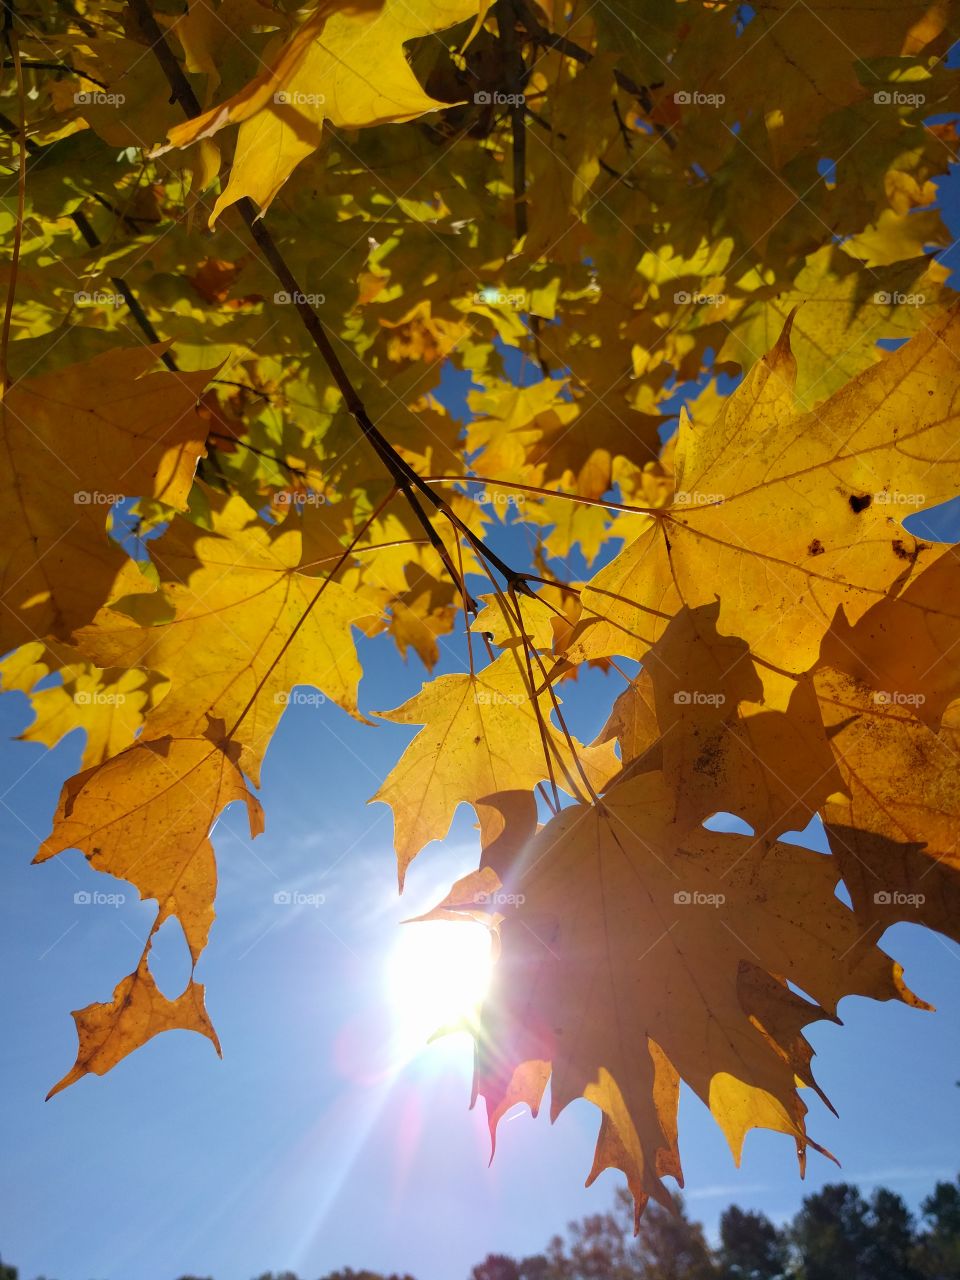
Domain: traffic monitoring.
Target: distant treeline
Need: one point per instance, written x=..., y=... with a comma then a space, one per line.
x=838, y=1234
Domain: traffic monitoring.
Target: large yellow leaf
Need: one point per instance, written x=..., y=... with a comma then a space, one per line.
x=145, y=816
x=75, y=442
x=629, y=946
x=786, y=516
x=906, y=645
x=894, y=823
x=247, y=628
x=701, y=703
x=482, y=736
x=346, y=65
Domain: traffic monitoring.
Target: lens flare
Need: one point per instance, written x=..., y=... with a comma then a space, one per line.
x=437, y=975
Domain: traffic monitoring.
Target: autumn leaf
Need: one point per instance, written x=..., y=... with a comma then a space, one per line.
x=697, y=711
x=322, y=74
x=246, y=628
x=601, y=1013
x=892, y=823
x=138, y=1012
x=145, y=816
x=75, y=443
x=795, y=508
x=483, y=734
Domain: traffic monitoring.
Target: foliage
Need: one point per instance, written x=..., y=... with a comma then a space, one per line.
x=590, y=212
x=836, y=1235
x=751, y=1247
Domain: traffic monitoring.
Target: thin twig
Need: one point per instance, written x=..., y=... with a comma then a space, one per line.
x=410, y=484
x=516, y=84
x=10, y=35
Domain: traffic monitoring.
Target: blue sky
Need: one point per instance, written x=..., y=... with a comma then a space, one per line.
x=331, y=1134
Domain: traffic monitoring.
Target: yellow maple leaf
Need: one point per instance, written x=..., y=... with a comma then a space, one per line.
x=346, y=64
x=615, y=1020
x=145, y=816
x=247, y=628
x=75, y=442
x=798, y=512
x=482, y=735
x=138, y=1011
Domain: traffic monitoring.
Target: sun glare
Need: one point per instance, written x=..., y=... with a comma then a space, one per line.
x=437, y=975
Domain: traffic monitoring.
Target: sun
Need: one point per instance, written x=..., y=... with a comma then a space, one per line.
x=437, y=975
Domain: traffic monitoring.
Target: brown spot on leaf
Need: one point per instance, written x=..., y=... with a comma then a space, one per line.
x=859, y=502
x=815, y=548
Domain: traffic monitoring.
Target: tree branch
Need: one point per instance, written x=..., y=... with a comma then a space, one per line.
x=406, y=479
